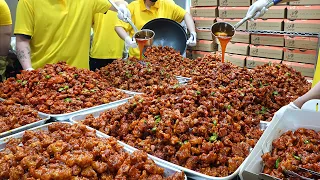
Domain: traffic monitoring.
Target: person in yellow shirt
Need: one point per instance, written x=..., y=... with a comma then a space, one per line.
x=49, y=31
x=5, y=36
x=144, y=11
x=106, y=44
x=316, y=77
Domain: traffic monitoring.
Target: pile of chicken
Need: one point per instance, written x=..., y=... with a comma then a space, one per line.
x=59, y=88
x=67, y=151
x=14, y=116
x=293, y=150
x=136, y=76
x=192, y=126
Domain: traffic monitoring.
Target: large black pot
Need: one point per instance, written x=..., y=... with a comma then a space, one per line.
x=168, y=33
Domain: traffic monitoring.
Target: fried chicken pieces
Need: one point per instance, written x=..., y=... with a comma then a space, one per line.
x=74, y=152
x=293, y=149
x=14, y=116
x=59, y=88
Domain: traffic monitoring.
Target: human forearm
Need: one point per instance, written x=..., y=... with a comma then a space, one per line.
x=314, y=93
x=118, y=3
x=23, y=51
x=189, y=22
x=121, y=32
x=5, y=34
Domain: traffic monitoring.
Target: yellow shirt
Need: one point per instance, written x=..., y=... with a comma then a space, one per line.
x=60, y=29
x=106, y=43
x=141, y=15
x=5, y=16
x=316, y=77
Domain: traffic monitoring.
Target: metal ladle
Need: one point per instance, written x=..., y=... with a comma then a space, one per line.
x=230, y=29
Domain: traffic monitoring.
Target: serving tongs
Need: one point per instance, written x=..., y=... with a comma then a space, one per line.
x=289, y=173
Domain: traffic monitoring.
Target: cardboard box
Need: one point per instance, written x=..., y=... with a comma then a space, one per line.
x=204, y=34
x=305, y=2
x=303, y=12
x=269, y=24
x=204, y=45
x=268, y=40
x=196, y=54
x=234, y=2
x=232, y=12
x=204, y=3
x=301, y=42
x=236, y=48
x=280, y=4
x=253, y=62
x=201, y=22
x=303, y=56
x=235, y=59
x=307, y=26
x=305, y=69
x=275, y=12
x=204, y=11
x=241, y=37
x=233, y=22
x=266, y=51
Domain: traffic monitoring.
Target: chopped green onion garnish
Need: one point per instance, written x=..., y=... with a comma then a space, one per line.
x=297, y=157
x=67, y=100
x=48, y=76
x=215, y=122
x=306, y=141
x=154, y=129
x=275, y=93
x=60, y=89
x=24, y=82
x=214, y=137
x=213, y=93
x=277, y=163
x=19, y=81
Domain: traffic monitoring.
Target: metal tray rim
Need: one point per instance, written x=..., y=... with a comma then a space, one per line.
x=98, y=133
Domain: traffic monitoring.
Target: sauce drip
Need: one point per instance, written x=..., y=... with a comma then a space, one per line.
x=224, y=40
x=141, y=44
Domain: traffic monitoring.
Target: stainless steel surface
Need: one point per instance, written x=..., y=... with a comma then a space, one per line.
x=183, y=80
x=222, y=27
x=167, y=169
x=44, y=119
x=263, y=176
x=295, y=175
x=145, y=34
x=67, y=116
x=310, y=171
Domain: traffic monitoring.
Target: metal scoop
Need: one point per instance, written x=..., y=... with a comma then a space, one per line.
x=230, y=29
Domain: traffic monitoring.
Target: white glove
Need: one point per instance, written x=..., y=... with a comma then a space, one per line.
x=124, y=13
x=281, y=111
x=130, y=42
x=192, y=41
x=29, y=69
x=259, y=7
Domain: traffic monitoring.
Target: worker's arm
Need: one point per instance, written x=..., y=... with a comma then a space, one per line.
x=129, y=41
x=259, y=8
x=23, y=51
x=192, y=41
x=5, y=34
x=118, y=3
x=314, y=93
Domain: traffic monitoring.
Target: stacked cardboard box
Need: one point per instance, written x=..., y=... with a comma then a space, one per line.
x=256, y=49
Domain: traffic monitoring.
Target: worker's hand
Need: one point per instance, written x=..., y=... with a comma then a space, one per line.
x=258, y=9
x=281, y=111
x=29, y=69
x=192, y=41
x=130, y=42
x=124, y=13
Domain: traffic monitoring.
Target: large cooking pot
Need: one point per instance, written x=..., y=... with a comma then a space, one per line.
x=168, y=33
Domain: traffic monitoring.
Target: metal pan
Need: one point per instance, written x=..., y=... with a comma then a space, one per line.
x=167, y=169
x=42, y=121
x=190, y=173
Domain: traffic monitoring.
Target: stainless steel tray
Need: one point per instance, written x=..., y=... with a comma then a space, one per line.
x=67, y=116
x=43, y=120
x=190, y=173
x=130, y=92
x=167, y=169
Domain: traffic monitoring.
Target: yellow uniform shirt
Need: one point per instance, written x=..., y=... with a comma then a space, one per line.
x=316, y=77
x=5, y=16
x=106, y=43
x=141, y=15
x=59, y=29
